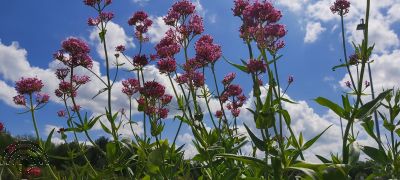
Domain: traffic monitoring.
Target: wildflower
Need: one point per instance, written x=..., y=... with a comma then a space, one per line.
x=206, y=50
x=62, y=73
x=348, y=84
x=33, y=171
x=341, y=7
x=130, y=86
x=61, y=113
x=19, y=100
x=75, y=46
x=137, y=17
x=183, y=7
x=163, y=113
x=76, y=108
x=255, y=66
x=235, y=112
x=353, y=59
x=78, y=53
x=228, y=78
x=65, y=88
x=11, y=148
x=140, y=60
x=61, y=130
x=168, y=46
x=90, y=2
x=1, y=126
x=93, y=21
x=233, y=90
x=218, y=114
x=367, y=84
x=152, y=89
x=167, y=65
x=290, y=79
x=166, y=99
x=141, y=21
x=240, y=5
x=196, y=24
x=42, y=98
x=28, y=85
x=106, y=16
x=120, y=48
x=198, y=79
x=79, y=80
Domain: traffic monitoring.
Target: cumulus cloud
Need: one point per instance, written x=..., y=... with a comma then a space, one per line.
x=157, y=30
x=313, y=30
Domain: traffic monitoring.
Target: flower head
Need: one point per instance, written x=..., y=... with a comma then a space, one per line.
x=28, y=85
x=19, y=100
x=206, y=50
x=1, y=126
x=61, y=113
x=348, y=84
x=42, y=98
x=341, y=7
x=141, y=20
x=167, y=65
x=183, y=7
x=163, y=113
x=152, y=89
x=140, y=60
x=168, y=46
x=166, y=99
x=120, y=48
x=367, y=84
x=106, y=16
x=75, y=108
x=79, y=80
x=93, y=21
x=62, y=73
x=290, y=79
x=240, y=5
x=218, y=114
x=196, y=24
x=228, y=78
x=78, y=53
x=130, y=86
x=255, y=66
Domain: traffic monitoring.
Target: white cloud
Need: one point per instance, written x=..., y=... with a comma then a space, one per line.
x=157, y=30
x=115, y=36
x=55, y=138
x=212, y=18
x=313, y=30
x=292, y=5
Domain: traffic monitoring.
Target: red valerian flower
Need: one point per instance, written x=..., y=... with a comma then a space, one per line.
x=240, y=5
x=19, y=100
x=166, y=99
x=237, y=101
x=206, y=50
x=163, y=113
x=141, y=20
x=120, y=48
x=341, y=7
x=218, y=114
x=79, y=80
x=290, y=79
x=228, y=79
x=28, y=85
x=196, y=24
x=1, y=126
x=167, y=65
x=106, y=16
x=93, y=21
x=65, y=88
x=183, y=7
x=140, y=60
x=42, y=98
x=11, y=148
x=94, y=2
x=152, y=89
x=348, y=84
x=78, y=53
x=62, y=73
x=255, y=66
x=168, y=45
x=61, y=113
x=130, y=86
x=33, y=171
x=76, y=108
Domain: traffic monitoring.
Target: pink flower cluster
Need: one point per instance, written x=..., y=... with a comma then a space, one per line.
x=191, y=78
x=341, y=7
x=182, y=17
x=93, y=3
x=103, y=17
x=255, y=66
x=237, y=98
x=140, y=60
x=260, y=23
x=153, y=99
x=167, y=65
x=77, y=51
x=168, y=46
x=228, y=79
x=29, y=86
x=32, y=171
x=141, y=21
x=1, y=126
x=207, y=51
x=130, y=86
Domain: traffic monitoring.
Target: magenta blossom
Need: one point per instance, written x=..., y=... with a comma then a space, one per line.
x=152, y=89
x=163, y=113
x=179, y=9
x=166, y=99
x=228, y=79
x=75, y=108
x=28, y=85
x=196, y=24
x=167, y=65
x=168, y=46
x=218, y=114
x=33, y=171
x=206, y=50
x=106, y=16
x=79, y=80
x=61, y=113
x=42, y=98
x=19, y=100
x=130, y=86
x=141, y=20
x=240, y=5
x=255, y=66
x=62, y=73
x=93, y=21
x=290, y=79
x=120, y=48
x=341, y=7
x=1, y=126
x=140, y=60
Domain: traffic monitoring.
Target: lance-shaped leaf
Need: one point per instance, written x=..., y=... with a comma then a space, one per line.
x=368, y=108
x=377, y=155
x=331, y=105
x=309, y=143
x=238, y=66
x=245, y=159
x=48, y=141
x=257, y=142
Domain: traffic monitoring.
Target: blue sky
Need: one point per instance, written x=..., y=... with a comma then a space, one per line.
x=313, y=47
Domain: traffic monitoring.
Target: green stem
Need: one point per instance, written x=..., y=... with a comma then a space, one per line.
x=345, y=54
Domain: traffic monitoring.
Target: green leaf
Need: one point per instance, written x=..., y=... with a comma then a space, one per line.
x=322, y=159
x=111, y=149
x=309, y=172
x=105, y=128
x=48, y=141
x=309, y=143
x=257, y=142
x=368, y=108
x=239, y=67
x=245, y=159
x=339, y=66
x=100, y=92
x=331, y=105
x=377, y=155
